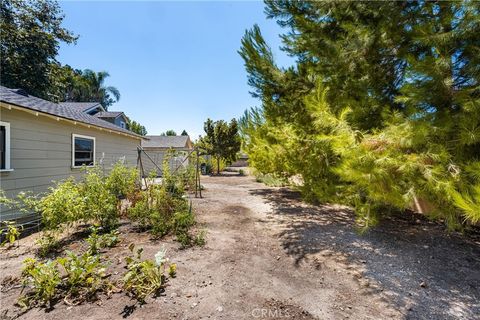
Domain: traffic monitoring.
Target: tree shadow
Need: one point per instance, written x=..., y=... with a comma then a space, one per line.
x=428, y=272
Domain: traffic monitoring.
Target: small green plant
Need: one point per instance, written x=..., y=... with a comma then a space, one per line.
x=144, y=278
x=183, y=221
x=241, y=172
x=200, y=238
x=11, y=232
x=97, y=242
x=85, y=276
x=43, y=280
x=74, y=278
x=47, y=243
x=172, y=270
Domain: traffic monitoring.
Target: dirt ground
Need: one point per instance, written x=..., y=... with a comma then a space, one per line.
x=270, y=256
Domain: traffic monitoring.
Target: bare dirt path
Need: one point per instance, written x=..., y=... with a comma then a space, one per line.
x=270, y=256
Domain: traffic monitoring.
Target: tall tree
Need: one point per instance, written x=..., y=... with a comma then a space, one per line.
x=136, y=127
x=184, y=133
x=31, y=32
x=221, y=140
x=382, y=103
x=169, y=133
x=98, y=91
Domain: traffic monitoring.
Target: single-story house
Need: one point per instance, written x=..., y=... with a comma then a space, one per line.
x=156, y=147
x=42, y=141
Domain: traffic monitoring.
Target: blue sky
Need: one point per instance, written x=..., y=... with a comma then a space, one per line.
x=175, y=63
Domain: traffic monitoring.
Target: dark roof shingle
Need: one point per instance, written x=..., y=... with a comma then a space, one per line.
x=19, y=98
x=81, y=106
x=108, y=114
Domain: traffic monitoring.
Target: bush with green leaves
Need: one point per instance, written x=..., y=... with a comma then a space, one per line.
x=122, y=181
x=145, y=278
x=163, y=212
x=100, y=201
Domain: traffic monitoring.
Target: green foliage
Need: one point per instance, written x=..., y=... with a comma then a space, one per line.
x=163, y=212
x=94, y=199
x=122, y=180
x=79, y=280
x=43, y=280
x=11, y=232
x=136, y=127
x=99, y=241
x=47, y=243
x=100, y=203
x=31, y=36
x=373, y=115
x=63, y=204
x=221, y=141
x=169, y=133
x=85, y=276
x=271, y=180
x=144, y=278
x=200, y=238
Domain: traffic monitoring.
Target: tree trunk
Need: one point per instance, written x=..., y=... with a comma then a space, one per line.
x=218, y=165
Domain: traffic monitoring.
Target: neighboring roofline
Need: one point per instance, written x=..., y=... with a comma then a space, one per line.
x=10, y=105
x=121, y=113
x=94, y=107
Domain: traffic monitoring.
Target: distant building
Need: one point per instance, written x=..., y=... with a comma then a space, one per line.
x=157, y=147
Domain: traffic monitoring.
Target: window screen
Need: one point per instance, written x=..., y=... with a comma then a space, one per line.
x=84, y=150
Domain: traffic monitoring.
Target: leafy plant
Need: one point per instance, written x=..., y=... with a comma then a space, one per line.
x=144, y=278
x=43, y=280
x=162, y=212
x=47, y=243
x=85, y=276
x=11, y=233
x=200, y=238
x=80, y=279
x=99, y=241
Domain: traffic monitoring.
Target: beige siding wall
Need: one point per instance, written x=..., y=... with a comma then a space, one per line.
x=41, y=151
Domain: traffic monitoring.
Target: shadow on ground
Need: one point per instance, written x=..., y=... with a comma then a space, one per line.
x=427, y=272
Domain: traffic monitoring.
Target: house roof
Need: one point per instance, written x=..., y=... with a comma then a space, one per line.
x=19, y=98
x=81, y=106
x=108, y=114
x=180, y=142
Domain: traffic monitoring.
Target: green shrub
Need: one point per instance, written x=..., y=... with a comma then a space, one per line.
x=144, y=278
x=122, y=181
x=271, y=180
x=100, y=204
x=163, y=212
x=63, y=204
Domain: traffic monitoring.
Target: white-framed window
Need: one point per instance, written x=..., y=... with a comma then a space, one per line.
x=83, y=151
x=5, y=146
